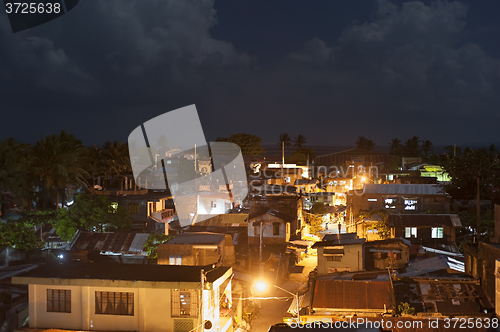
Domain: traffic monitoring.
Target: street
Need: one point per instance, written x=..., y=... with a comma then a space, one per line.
x=273, y=310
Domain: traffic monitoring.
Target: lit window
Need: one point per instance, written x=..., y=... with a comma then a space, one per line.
x=175, y=260
x=372, y=199
x=390, y=203
x=410, y=232
x=114, y=303
x=437, y=232
x=58, y=300
x=410, y=204
x=184, y=303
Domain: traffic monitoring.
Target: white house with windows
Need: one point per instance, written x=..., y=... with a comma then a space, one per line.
x=127, y=297
x=340, y=253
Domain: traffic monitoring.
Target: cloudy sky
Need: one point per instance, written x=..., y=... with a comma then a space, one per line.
x=330, y=70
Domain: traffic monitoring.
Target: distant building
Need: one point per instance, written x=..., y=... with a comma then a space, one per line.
x=289, y=204
x=274, y=225
x=389, y=253
x=427, y=229
x=340, y=253
x=399, y=198
x=122, y=297
x=199, y=248
x=150, y=210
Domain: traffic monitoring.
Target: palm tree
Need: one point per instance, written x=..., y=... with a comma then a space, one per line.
x=13, y=172
x=115, y=159
x=396, y=147
x=299, y=142
x=57, y=161
x=426, y=147
x=285, y=141
x=412, y=147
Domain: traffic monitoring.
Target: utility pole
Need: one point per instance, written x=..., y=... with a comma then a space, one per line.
x=260, y=250
x=202, y=323
x=478, y=216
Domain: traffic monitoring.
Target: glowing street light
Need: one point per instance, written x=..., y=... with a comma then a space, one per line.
x=262, y=285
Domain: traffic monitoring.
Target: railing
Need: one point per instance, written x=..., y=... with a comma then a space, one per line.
x=165, y=215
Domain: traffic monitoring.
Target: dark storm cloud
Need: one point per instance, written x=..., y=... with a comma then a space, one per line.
x=110, y=65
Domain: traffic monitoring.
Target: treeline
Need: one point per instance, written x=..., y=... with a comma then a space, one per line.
x=42, y=175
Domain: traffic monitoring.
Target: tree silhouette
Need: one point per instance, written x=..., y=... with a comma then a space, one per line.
x=299, y=141
x=396, y=147
x=364, y=143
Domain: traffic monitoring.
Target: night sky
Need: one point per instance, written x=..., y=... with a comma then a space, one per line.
x=329, y=70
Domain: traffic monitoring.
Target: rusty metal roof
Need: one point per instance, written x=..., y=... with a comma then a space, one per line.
x=122, y=242
x=228, y=219
x=347, y=294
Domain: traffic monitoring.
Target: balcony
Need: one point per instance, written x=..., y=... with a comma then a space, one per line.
x=163, y=216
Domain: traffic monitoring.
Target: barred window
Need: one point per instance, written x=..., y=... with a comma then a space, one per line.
x=114, y=303
x=184, y=303
x=58, y=300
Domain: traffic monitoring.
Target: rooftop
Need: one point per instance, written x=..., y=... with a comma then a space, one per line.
x=228, y=219
x=348, y=294
x=197, y=238
x=272, y=212
x=424, y=220
x=403, y=189
x=120, y=242
x=126, y=272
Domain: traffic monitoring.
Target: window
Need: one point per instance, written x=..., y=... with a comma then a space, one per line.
x=213, y=204
x=372, y=199
x=184, y=303
x=437, y=232
x=390, y=203
x=334, y=258
x=410, y=204
x=410, y=232
x=276, y=228
x=58, y=300
x=114, y=303
x=134, y=208
x=175, y=260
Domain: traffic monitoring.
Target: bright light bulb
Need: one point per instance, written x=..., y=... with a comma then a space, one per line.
x=260, y=286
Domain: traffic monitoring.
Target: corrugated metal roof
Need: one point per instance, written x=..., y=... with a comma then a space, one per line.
x=197, y=238
x=403, y=189
x=345, y=294
x=230, y=219
x=424, y=220
x=123, y=242
x=272, y=212
x=440, y=262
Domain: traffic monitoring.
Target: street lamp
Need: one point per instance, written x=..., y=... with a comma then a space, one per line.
x=261, y=286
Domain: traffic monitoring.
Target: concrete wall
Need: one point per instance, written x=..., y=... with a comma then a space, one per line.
x=352, y=260
x=268, y=236
x=152, y=310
